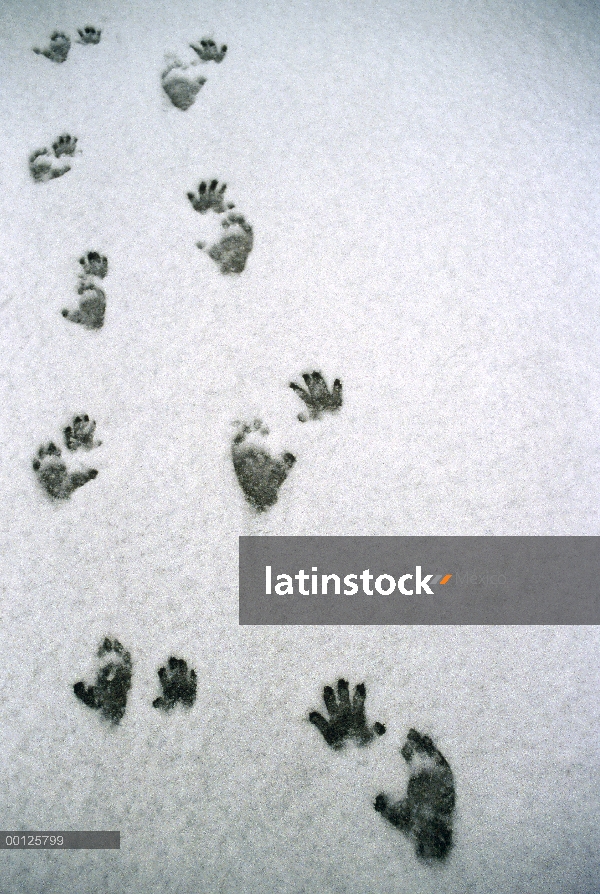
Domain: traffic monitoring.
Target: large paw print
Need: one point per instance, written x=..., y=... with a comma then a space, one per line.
x=92, y=305
x=317, y=396
x=232, y=250
x=426, y=813
x=57, y=49
x=54, y=476
x=347, y=719
x=208, y=51
x=210, y=196
x=178, y=685
x=89, y=34
x=42, y=163
x=259, y=474
x=113, y=682
x=182, y=83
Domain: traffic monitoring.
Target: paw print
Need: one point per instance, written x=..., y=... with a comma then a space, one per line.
x=54, y=476
x=89, y=34
x=92, y=305
x=182, y=84
x=178, y=685
x=210, y=196
x=425, y=814
x=208, y=50
x=80, y=433
x=113, y=682
x=64, y=145
x=317, y=396
x=347, y=719
x=232, y=250
x=57, y=49
x=259, y=474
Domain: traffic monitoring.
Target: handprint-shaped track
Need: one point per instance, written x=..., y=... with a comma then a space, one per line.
x=347, y=720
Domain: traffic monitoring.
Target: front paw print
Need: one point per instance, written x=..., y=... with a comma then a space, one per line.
x=208, y=51
x=426, y=813
x=182, y=84
x=89, y=34
x=54, y=476
x=64, y=145
x=178, y=685
x=94, y=264
x=259, y=474
x=113, y=682
x=232, y=250
x=347, y=720
x=81, y=433
x=210, y=196
x=58, y=48
x=317, y=396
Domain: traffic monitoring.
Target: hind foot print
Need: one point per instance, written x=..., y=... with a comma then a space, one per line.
x=80, y=433
x=425, y=814
x=259, y=474
x=317, y=396
x=113, y=682
x=178, y=685
x=347, y=720
x=182, y=84
x=57, y=49
x=92, y=306
x=208, y=50
x=210, y=196
x=232, y=250
x=54, y=476
x=89, y=34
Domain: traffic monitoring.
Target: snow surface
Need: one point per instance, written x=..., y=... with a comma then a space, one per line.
x=423, y=183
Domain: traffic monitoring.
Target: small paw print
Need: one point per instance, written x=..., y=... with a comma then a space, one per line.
x=92, y=305
x=80, y=433
x=182, y=84
x=113, y=682
x=178, y=685
x=347, y=720
x=426, y=813
x=259, y=474
x=64, y=145
x=208, y=51
x=57, y=49
x=210, y=196
x=232, y=250
x=89, y=34
x=317, y=396
x=54, y=476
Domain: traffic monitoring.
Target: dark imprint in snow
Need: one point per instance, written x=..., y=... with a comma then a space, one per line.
x=42, y=164
x=347, y=719
x=64, y=145
x=182, y=84
x=57, y=49
x=80, y=434
x=89, y=34
x=92, y=305
x=210, y=196
x=425, y=814
x=208, y=51
x=54, y=476
x=232, y=250
x=178, y=685
x=113, y=682
x=259, y=474
x=317, y=396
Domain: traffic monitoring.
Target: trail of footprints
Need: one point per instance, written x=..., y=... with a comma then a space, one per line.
x=425, y=814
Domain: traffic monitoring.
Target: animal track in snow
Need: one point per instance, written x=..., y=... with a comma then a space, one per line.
x=92, y=304
x=89, y=35
x=57, y=49
x=182, y=83
x=425, y=814
x=113, y=682
x=210, y=196
x=231, y=251
x=43, y=164
x=208, y=51
x=317, y=396
x=178, y=685
x=259, y=474
x=347, y=719
x=50, y=468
